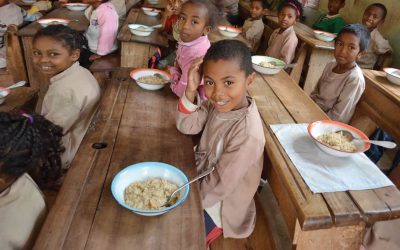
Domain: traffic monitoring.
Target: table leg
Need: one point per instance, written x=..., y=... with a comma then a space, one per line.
x=318, y=60
x=136, y=55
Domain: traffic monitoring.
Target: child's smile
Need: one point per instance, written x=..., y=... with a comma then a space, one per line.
x=373, y=16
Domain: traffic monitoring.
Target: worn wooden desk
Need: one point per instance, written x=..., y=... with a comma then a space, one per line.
x=136, y=50
x=20, y=98
x=138, y=126
x=315, y=221
x=379, y=105
x=36, y=79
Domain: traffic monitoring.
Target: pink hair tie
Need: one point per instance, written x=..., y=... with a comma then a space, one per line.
x=295, y=7
x=30, y=117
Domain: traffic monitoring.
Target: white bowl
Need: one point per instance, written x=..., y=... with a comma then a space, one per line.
x=152, y=1
x=51, y=21
x=257, y=60
x=144, y=171
x=140, y=29
x=3, y=94
x=150, y=11
x=324, y=36
x=76, y=6
x=137, y=73
x=318, y=128
x=229, y=31
x=29, y=1
x=393, y=75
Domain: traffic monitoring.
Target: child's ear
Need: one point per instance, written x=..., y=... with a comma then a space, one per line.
x=250, y=79
x=75, y=54
x=207, y=30
x=361, y=54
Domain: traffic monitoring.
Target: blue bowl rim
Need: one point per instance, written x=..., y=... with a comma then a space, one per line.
x=140, y=164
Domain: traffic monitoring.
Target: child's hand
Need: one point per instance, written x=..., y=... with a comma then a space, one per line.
x=194, y=79
x=94, y=57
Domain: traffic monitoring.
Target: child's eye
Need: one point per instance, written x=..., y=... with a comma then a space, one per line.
x=36, y=53
x=194, y=22
x=228, y=83
x=181, y=18
x=208, y=82
x=53, y=54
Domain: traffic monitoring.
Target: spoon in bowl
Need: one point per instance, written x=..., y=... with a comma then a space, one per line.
x=350, y=137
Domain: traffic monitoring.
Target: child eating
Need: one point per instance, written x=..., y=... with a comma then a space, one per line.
x=232, y=138
x=331, y=22
x=253, y=27
x=342, y=82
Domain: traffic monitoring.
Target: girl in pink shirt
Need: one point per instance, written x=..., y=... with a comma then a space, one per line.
x=196, y=20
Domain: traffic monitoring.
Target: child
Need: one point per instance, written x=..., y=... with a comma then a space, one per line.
x=26, y=142
x=253, y=27
x=374, y=15
x=342, y=82
x=170, y=16
x=196, y=20
x=283, y=41
x=73, y=93
x=9, y=14
x=331, y=22
x=101, y=33
x=232, y=138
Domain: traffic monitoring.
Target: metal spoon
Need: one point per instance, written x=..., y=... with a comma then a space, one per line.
x=385, y=144
x=15, y=85
x=205, y=173
x=164, y=78
x=289, y=65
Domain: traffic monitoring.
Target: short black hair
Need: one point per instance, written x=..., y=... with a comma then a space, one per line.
x=71, y=39
x=214, y=10
x=360, y=31
x=264, y=3
x=381, y=6
x=293, y=4
x=231, y=50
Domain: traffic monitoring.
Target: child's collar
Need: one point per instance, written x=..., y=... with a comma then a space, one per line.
x=194, y=42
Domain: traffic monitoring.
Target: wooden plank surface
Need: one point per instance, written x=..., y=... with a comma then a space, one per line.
x=19, y=98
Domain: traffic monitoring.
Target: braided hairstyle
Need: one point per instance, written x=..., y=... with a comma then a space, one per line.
x=27, y=143
x=71, y=39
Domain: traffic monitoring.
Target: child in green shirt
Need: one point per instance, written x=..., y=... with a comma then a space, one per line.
x=331, y=22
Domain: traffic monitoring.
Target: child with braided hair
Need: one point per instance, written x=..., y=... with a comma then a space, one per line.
x=27, y=143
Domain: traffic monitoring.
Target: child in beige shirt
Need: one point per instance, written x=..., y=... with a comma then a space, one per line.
x=253, y=27
x=342, y=83
x=232, y=138
x=283, y=41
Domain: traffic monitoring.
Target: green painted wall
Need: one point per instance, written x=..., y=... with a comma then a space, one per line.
x=353, y=12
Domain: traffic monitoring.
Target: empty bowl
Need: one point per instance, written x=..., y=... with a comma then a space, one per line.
x=324, y=36
x=144, y=171
x=267, y=65
x=229, y=31
x=150, y=11
x=140, y=29
x=137, y=73
x=319, y=128
x=393, y=75
x=76, y=6
x=3, y=94
x=51, y=21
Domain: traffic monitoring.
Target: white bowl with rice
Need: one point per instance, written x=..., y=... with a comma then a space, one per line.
x=133, y=186
x=267, y=65
x=151, y=11
x=324, y=36
x=76, y=6
x=52, y=21
x=393, y=75
x=325, y=137
x=148, y=79
x=229, y=31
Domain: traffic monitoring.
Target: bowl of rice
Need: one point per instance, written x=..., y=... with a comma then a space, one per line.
x=324, y=133
x=150, y=79
x=143, y=188
x=324, y=36
x=151, y=11
x=229, y=31
x=76, y=6
x=267, y=65
x=393, y=75
x=52, y=21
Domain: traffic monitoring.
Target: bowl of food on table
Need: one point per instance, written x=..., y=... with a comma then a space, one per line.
x=150, y=79
x=152, y=1
x=140, y=29
x=267, y=65
x=29, y=1
x=229, y=31
x=333, y=138
x=393, y=75
x=151, y=11
x=145, y=187
x=76, y=6
x=3, y=94
x=52, y=21
x=324, y=36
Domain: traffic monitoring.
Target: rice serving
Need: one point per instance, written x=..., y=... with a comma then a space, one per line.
x=267, y=64
x=150, y=194
x=151, y=80
x=337, y=141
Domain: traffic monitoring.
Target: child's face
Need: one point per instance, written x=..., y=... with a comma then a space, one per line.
x=373, y=16
x=193, y=22
x=175, y=6
x=225, y=84
x=256, y=9
x=334, y=6
x=287, y=17
x=51, y=57
x=347, y=48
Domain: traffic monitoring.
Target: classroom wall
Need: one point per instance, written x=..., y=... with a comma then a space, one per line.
x=354, y=10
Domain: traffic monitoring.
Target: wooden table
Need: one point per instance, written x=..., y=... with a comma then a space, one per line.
x=138, y=125
x=315, y=221
x=379, y=105
x=20, y=98
x=36, y=79
x=136, y=50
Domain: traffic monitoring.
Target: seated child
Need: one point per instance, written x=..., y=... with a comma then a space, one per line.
x=232, y=138
x=196, y=20
x=26, y=142
x=283, y=41
x=374, y=15
x=73, y=93
x=253, y=27
x=101, y=33
x=231, y=9
x=342, y=82
x=331, y=22
x=10, y=13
